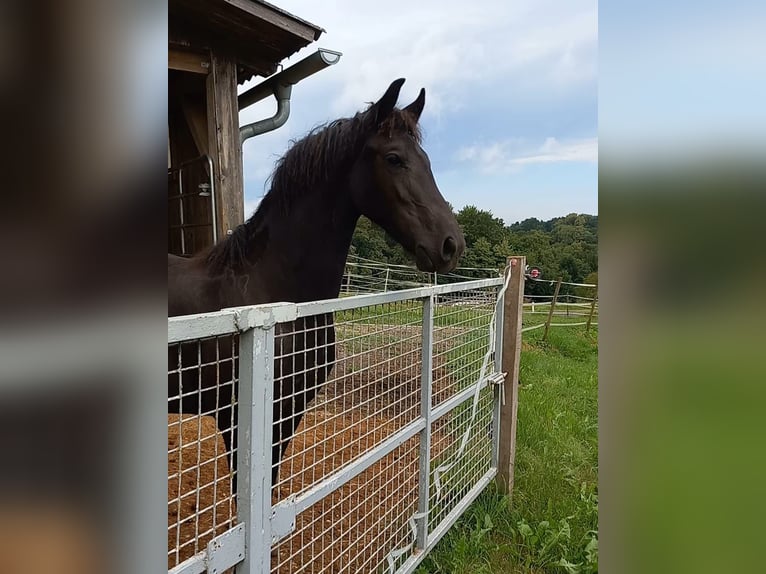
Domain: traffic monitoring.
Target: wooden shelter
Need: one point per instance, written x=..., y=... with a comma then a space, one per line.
x=214, y=46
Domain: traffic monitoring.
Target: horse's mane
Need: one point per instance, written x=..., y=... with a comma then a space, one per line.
x=313, y=162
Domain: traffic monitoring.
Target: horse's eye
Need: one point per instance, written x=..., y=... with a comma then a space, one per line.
x=393, y=159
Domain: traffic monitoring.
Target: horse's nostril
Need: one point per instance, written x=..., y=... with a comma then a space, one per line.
x=449, y=248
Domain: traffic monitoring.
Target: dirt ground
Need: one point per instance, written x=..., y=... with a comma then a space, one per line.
x=372, y=394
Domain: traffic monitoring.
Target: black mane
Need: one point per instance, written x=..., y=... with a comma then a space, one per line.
x=314, y=162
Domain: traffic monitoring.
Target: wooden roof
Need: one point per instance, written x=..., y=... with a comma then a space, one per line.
x=257, y=33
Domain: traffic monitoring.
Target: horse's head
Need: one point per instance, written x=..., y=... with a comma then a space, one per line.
x=392, y=185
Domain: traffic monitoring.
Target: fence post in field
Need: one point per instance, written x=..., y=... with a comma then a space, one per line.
x=553, y=305
x=592, y=309
x=385, y=287
x=510, y=340
x=348, y=279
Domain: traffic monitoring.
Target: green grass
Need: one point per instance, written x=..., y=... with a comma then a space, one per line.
x=552, y=524
x=408, y=313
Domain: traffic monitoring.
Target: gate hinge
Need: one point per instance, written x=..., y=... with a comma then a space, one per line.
x=496, y=378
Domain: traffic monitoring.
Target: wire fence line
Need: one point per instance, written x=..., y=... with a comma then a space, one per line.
x=368, y=276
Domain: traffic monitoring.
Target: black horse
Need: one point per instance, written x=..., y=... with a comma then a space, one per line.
x=294, y=249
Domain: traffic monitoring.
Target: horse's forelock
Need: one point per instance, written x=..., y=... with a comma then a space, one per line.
x=401, y=121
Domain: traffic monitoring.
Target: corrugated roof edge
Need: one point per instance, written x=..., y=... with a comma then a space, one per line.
x=318, y=30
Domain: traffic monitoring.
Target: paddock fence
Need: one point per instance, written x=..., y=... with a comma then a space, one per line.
x=384, y=456
x=363, y=275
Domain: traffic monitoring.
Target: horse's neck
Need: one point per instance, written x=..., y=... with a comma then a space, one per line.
x=306, y=250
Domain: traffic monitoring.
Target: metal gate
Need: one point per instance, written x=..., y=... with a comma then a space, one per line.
x=386, y=454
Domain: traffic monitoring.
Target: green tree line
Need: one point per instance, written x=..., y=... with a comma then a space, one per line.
x=565, y=247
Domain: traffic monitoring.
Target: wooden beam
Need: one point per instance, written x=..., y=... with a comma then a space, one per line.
x=195, y=115
x=223, y=142
x=513, y=306
x=188, y=61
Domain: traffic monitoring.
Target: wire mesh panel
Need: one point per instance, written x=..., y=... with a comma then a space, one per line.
x=370, y=393
x=461, y=449
x=202, y=424
x=461, y=454
x=371, y=419
x=368, y=390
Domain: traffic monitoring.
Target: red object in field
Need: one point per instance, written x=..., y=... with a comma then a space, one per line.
x=534, y=273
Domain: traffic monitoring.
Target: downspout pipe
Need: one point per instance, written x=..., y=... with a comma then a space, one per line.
x=280, y=86
x=282, y=94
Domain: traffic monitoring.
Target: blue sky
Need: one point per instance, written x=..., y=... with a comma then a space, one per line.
x=510, y=121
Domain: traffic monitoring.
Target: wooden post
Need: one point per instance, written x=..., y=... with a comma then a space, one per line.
x=590, y=317
x=224, y=144
x=553, y=305
x=513, y=306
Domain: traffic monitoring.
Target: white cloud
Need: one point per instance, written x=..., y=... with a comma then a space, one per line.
x=450, y=47
x=480, y=56
x=512, y=155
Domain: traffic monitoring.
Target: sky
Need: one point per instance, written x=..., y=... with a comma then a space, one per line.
x=510, y=121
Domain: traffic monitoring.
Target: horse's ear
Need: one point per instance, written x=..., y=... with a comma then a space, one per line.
x=385, y=105
x=416, y=107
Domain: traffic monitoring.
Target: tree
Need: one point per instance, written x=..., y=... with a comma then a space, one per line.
x=477, y=223
x=565, y=247
x=480, y=255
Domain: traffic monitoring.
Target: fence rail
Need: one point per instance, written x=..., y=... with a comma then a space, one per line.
x=344, y=435
x=368, y=276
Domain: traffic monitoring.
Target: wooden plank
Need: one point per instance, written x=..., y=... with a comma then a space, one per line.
x=512, y=315
x=224, y=144
x=188, y=61
x=195, y=114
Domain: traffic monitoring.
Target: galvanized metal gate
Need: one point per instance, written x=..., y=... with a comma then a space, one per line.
x=398, y=441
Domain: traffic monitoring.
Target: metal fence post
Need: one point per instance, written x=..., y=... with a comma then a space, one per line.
x=256, y=390
x=426, y=380
x=550, y=311
x=498, y=392
x=512, y=314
